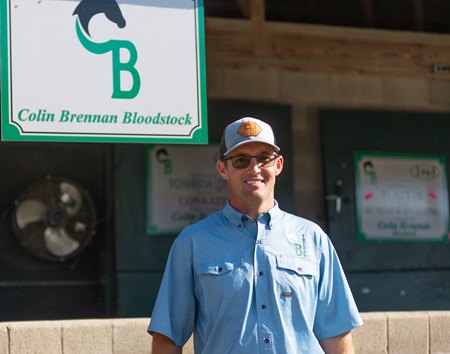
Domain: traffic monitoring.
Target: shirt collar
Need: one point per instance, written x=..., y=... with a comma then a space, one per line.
x=237, y=218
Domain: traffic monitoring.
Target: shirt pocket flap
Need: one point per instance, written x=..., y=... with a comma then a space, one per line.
x=298, y=265
x=216, y=267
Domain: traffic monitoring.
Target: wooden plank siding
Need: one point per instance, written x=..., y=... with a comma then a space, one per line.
x=243, y=43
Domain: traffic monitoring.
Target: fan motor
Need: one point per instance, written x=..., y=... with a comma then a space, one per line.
x=56, y=216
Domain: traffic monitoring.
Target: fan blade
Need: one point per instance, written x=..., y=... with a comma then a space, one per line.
x=30, y=211
x=59, y=243
x=70, y=197
x=80, y=226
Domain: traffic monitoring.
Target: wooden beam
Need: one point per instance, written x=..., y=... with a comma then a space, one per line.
x=258, y=10
x=314, y=48
x=245, y=7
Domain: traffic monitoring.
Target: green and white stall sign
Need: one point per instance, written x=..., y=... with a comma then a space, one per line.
x=183, y=186
x=103, y=71
x=401, y=197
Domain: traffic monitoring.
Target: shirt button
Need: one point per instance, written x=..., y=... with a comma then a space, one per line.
x=220, y=269
x=299, y=269
x=263, y=307
x=261, y=274
x=266, y=340
x=258, y=241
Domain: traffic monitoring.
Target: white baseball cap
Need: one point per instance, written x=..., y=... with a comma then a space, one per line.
x=246, y=130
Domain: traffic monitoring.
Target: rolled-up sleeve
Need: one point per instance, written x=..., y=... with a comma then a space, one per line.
x=336, y=310
x=175, y=306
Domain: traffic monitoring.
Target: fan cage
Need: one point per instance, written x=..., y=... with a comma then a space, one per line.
x=49, y=193
x=36, y=289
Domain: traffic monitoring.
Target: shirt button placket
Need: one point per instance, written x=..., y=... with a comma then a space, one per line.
x=262, y=293
x=266, y=342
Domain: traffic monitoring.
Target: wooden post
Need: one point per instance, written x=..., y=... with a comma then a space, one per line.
x=258, y=18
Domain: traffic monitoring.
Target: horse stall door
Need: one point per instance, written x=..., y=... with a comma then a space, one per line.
x=384, y=275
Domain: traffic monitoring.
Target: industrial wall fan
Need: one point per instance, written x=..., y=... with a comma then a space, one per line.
x=54, y=218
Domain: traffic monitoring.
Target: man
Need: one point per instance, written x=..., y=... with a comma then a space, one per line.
x=252, y=278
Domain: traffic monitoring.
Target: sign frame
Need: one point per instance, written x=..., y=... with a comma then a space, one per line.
x=195, y=134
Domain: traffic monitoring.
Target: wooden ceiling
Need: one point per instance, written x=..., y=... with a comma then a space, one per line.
x=404, y=15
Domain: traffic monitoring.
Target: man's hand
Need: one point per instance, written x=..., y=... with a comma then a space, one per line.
x=164, y=345
x=342, y=344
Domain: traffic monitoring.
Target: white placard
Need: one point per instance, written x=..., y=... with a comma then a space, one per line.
x=110, y=70
x=402, y=198
x=183, y=186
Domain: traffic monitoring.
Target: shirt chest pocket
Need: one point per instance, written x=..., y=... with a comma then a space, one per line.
x=297, y=266
x=296, y=281
x=219, y=277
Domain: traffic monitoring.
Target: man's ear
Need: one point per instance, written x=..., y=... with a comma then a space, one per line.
x=279, y=165
x=222, y=169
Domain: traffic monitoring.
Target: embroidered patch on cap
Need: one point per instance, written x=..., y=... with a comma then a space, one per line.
x=249, y=129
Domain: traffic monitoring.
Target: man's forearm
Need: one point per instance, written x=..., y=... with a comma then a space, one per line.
x=163, y=345
x=342, y=344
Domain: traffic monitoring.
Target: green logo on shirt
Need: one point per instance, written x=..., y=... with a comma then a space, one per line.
x=299, y=246
x=293, y=241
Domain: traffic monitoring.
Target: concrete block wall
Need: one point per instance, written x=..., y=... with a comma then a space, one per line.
x=403, y=332
x=74, y=337
x=382, y=333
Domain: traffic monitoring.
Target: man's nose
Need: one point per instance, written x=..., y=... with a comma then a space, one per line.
x=254, y=164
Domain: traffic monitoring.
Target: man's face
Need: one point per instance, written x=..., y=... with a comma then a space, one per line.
x=253, y=186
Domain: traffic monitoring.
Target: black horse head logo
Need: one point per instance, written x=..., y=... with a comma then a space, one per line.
x=87, y=9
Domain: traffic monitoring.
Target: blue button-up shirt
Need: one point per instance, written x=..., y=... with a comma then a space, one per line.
x=270, y=286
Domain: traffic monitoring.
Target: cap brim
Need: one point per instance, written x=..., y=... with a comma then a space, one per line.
x=275, y=147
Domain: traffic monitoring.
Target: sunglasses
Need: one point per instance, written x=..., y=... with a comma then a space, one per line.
x=243, y=161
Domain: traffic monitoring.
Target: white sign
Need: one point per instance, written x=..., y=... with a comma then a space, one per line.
x=110, y=70
x=183, y=186
x=401, y=197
